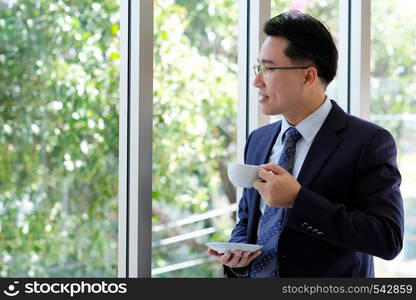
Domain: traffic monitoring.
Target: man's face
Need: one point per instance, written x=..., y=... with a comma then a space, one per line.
x=279, y=90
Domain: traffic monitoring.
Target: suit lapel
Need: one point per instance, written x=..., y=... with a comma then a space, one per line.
x=324, y=144
x=268, y=140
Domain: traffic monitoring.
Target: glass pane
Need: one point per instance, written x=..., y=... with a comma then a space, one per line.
x=326, y=11
x=58, y=138
x=393, y=106
x=195, y=95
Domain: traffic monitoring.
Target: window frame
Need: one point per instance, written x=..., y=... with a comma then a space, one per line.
x=136, y=111
x=136, y=107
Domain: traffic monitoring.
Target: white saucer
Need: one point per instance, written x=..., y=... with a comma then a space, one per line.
x=224, y=247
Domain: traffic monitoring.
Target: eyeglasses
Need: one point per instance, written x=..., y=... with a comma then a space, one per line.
x=263, y=69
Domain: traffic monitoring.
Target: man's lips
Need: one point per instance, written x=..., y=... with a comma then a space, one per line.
x=262, y=97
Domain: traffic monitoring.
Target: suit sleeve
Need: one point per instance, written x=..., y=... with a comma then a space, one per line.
x=239, y=233
x=374, y=227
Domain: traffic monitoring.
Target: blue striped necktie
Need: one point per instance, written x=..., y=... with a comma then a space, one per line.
x=271, y=223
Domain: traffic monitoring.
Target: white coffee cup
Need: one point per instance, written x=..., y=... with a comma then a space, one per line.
x=243, y=175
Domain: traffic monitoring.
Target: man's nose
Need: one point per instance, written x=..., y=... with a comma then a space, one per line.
x=258, y=80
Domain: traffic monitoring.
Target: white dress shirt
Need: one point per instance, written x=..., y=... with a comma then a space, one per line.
x=308, y=128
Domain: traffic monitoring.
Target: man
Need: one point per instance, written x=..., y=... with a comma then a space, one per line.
x=328, y=199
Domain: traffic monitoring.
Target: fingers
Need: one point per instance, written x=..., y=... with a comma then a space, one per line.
x=266, y=175
x=246, y=258
x=254, y=254
x=274, y=168
x=213, y=252
x=235, y=260
x=223, y=258
x=238, y=259
x=259, y=185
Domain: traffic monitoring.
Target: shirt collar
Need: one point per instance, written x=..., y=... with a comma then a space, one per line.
x=310, y=126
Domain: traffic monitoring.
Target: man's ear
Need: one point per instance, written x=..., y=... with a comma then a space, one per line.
x=311, y=76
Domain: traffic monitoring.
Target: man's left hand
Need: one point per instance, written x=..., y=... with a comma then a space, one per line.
x=278, y=187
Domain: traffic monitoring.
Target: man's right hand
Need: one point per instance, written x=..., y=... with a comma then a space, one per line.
x=238, y=259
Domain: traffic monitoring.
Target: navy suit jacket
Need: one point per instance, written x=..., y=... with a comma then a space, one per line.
x=349, y=207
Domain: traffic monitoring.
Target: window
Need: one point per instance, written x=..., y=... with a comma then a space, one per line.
x=194, y=133
x=392, y=105
x=58, y=138
x=59, y=130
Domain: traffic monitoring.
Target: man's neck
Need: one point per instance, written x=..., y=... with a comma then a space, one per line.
x=305, y=110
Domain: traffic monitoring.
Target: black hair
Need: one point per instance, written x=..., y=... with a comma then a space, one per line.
x=309, y=40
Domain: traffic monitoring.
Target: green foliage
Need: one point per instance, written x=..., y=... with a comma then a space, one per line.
x=393, y=90
x=325, y=10
x=59, y=63
x=195, y=94
x=392, y=66
x=58, y=143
